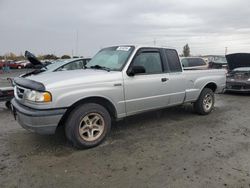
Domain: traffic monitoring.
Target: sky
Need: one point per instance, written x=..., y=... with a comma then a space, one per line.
x=82, y=27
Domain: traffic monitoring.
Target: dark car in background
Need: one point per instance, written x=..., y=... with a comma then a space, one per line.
x=238, y=77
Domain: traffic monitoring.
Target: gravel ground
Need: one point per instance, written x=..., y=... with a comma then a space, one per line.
x=167, y=148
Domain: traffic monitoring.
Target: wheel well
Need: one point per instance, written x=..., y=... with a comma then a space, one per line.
x=98, y=100
x=211, y=86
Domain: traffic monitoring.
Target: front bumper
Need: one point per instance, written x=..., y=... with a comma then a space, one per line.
x=39, y=121
x=238, y=86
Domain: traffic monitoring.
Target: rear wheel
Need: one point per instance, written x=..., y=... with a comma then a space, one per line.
x=205, y=103
x=88, y=125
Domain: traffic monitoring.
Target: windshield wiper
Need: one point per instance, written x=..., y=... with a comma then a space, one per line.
x=100, y=67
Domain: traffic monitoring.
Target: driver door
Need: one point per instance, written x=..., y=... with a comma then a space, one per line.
x=146, y=91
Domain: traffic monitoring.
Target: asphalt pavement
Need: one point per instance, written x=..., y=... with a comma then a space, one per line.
x=168, y=148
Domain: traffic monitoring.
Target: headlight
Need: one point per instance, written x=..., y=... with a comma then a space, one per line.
x=248, y=79
x=37, y=96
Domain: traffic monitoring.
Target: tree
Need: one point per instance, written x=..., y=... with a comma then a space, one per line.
x=186, y=51
x=50, y=56
x=11, y=56
x=65, y=57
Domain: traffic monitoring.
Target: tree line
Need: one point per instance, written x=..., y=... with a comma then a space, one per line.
x=14, y=57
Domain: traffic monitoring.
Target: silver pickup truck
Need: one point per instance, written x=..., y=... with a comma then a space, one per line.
x=119, y=81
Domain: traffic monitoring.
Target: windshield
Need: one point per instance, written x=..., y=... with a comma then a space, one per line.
x=112, y=58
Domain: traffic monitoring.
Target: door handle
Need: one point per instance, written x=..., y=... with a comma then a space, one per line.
x=164, y=79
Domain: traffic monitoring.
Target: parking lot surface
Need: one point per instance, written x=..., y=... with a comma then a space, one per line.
x=12, y=74
x=167, y=148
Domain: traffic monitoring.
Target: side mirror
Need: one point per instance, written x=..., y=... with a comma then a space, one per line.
x=136, y=70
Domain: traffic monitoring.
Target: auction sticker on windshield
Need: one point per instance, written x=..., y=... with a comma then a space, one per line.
x=123, y=48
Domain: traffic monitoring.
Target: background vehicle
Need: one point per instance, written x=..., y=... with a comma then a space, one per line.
x=14, y=65
x=217, y=62
x=58, y=65
x=217, y=65
x=238, y=77
x=119, y=81
x=54, y=66
x=67, y=64
x=2, y=63
x=193, y=63
x=23, y=63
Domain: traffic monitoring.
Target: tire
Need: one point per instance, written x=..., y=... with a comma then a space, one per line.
x=87, y=125
x=205, y=103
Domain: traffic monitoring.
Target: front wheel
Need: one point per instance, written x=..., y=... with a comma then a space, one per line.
x=205, y=103
x=88, y=125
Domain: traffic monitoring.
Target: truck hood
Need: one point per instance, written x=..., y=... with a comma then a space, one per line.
x=75, y=77
x=238, y=60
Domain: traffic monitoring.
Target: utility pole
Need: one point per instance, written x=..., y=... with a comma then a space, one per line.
x=76, y=52
x=154, y=42
x=226, y=48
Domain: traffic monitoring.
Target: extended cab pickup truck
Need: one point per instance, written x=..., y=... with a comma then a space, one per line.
x=119, y=81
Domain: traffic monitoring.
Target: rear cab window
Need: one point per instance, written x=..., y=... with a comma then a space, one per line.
x=172, y=60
